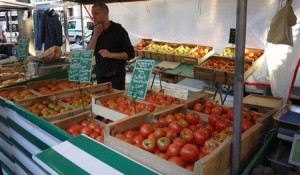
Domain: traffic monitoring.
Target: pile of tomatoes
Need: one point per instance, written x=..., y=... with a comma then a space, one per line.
x=179, y=138
x=161, y=99
x=221, y=118
x=125, y=105
x=89, y=128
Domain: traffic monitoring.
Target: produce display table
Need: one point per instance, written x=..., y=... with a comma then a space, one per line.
x=80, y=155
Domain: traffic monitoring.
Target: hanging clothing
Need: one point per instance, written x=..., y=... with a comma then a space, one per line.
x=52, y=30
x=38, y=28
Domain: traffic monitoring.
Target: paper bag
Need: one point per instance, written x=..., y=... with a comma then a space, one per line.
x=53, y=53
x=281, y=26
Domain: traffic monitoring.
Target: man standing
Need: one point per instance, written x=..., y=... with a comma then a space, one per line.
x=112, y=48
x=4, y=36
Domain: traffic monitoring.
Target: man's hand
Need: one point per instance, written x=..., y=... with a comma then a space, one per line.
x=98, y=30
x=105, y=53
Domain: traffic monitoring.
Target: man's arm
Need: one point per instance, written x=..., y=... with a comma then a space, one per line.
x=106, y=54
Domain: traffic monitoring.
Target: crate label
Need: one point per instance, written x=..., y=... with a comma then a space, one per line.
x=23, y=46
x=140, y=78
x=81, y=66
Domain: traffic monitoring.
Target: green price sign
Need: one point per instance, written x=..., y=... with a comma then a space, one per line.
x=23, y=46
x=232, y=36
x=81, y=66
x=140, y=79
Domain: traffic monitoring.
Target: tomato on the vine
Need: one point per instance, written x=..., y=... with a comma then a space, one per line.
x=149, y=145
x=163, y=144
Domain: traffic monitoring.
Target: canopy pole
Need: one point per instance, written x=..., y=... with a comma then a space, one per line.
x=241, y=17
x=67, y=42
x=82, y=26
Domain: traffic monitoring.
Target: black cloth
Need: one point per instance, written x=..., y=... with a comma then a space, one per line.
x=115, y=39
x=52, y=33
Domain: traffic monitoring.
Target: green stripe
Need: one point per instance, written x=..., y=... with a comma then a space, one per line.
x=7, y=155
x=110, y=157
x=22, y=149
x=60, y=165
x=23, y=167
x=7, y=169
x=31, y=138
x=3, y=120
x=5, y=138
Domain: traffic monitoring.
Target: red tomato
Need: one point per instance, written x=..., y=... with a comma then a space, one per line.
x=183, y=123
x=187, y=135
x=74, y=128
x=84, y=123
x=138, y=139
x=190, y=167
x=163, y=144
x=246, y=125
x=200, y=137
x=209, y=104
x=98, y=129
x=153, y=136
x=145, y=129
x=192, y=118
x=213, y=118
x=228, y=117
x=189, y=153
x=174, y=125
x=120, y=136
x=198, y=107
x=100, y=139
x=246, y=116
x=94, y=135
x=170, y=99
x=210, y=129
x=150, y=107
x=222, y=124
x=201, y=153
x=149, y=145
x=160, y=132
x=194, y=128
x=86, y=130
x=219, y=136
x=173, y=150
x=177, y=160
x=217, y=110
x=163, y=155
x=179, y=141
x=162, y=122
x=171, y=134
x=201, y=124
x=129, y=134
x=255, y=115
x=209, y=146
x=128, y=140
x=207, y=111
x=179, y=116
x=230, y=113
x=154, y=126
x=170, y=118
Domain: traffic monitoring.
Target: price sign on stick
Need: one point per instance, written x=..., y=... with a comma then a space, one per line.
x=23, y=46
x=81, y=66
x=140, y=78
x=232, y=36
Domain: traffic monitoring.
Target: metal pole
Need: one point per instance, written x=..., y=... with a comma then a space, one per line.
x=81, y=11
x=10, y=25
x=67, y=43
x=238, y=84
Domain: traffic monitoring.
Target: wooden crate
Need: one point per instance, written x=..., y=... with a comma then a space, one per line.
x=187, y=59
x=100, y=89
x=35, y=86
x=6, y=76
x=247, y=73
x=205, y=74
x=8, y=93
x=214, y=163
x=51, y=98
x=140, y=52
x=248, y=51
x=65, y=84
x=155, y=54
x=258, y=101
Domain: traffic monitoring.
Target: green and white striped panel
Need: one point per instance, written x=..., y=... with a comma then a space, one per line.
x=27, y=162
x=5, y=144
x=6, y=170
x=7, y=160
x=4, y=126
x=82, y=155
